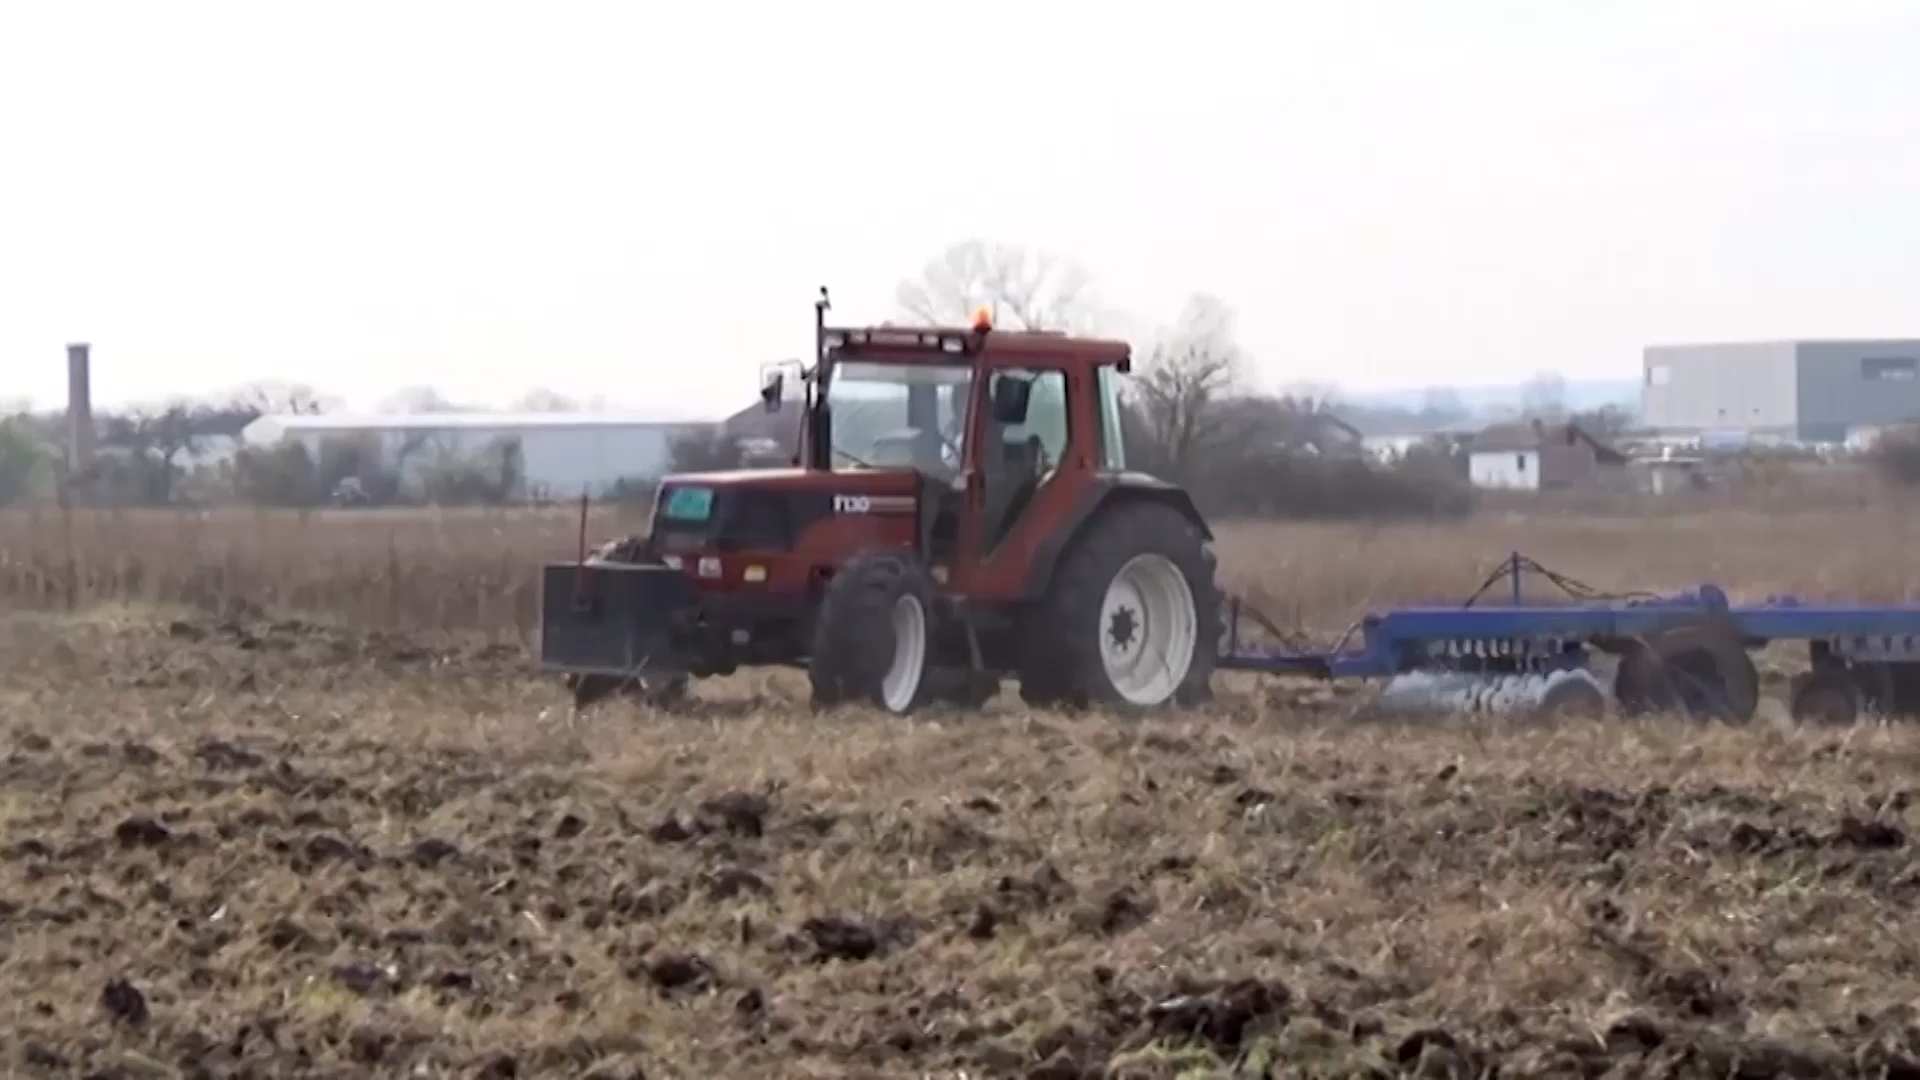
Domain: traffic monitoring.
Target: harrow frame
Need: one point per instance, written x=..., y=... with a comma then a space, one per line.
x=1689, y=650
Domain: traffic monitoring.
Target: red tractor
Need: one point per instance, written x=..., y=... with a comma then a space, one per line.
x=959, y=511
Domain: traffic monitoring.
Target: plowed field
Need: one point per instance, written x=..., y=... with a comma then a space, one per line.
x=271, y=849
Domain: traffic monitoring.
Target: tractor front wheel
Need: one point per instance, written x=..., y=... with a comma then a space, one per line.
x=871, y=640
x=1132, y=620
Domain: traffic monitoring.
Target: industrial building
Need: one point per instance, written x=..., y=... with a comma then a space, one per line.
x=561, y=454
x=1800, y=391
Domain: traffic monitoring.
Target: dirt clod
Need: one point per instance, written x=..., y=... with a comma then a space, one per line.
x=326, y=847
x=1123, y=909
x=124, y=1002
x=1869, y=835
x=836, y=937
x=363, y=977
x=432, y=851
x=39, y=1055
x=672, y=829
x=220, y=754
x=741, y=812
x=141, y=831
x=679, y=970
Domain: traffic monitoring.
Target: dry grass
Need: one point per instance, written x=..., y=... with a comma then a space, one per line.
x=242, y=846
x=478, y=570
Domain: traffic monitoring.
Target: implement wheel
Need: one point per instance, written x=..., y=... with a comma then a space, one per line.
x=872, y=639
x=1699, y=668
x=1825, y=697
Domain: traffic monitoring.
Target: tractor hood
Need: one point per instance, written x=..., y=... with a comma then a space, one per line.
x=868, y=481
x=766, y=509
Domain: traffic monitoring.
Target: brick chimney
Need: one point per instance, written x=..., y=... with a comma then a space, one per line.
x=79, y=408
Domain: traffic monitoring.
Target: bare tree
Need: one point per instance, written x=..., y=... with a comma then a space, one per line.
x=542, y=400
x=1605, y=422
x=154, y=441
x=1024, y=290
x=1544, y=395
x=705, y=450
x=1180, y=394
x=279, y=399
x=418, y=399
x=23, y=454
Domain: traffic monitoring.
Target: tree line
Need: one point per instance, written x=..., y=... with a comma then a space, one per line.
x=1192, y=415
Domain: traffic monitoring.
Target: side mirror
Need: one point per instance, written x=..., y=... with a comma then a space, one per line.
x=773, y=386
x=1011, y=397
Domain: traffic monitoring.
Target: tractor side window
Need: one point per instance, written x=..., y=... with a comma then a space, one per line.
x=1019, y=458
x=1113, y=442
x=1046, y=415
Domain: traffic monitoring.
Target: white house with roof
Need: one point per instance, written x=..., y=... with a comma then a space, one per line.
x=562, y=454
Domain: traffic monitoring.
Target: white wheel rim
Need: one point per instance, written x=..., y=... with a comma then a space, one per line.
x=902, y=681
x=1148, y=630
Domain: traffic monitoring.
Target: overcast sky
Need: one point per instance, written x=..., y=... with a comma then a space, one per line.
x=639, y=200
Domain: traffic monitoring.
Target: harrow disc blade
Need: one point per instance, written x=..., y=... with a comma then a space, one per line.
x=1568, y=692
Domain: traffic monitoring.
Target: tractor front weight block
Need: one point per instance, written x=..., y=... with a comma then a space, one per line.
x=614, y=619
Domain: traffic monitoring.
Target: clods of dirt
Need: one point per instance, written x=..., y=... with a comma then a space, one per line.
x=141, y=831
x=1219, y=1015
x=432, y=851
x=732, y=881
x=839, y=937
x=124, y=1003
x=743, y=813
x=678, y=970
x=672, y=829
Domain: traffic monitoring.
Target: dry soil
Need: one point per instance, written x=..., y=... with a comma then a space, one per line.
x=248, y=847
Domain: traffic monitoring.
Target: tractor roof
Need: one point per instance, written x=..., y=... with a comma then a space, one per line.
x=903, y=342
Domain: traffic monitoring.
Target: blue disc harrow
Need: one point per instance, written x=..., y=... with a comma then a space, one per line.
x=1587, y=652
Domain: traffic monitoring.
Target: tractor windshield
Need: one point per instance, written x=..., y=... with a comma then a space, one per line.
x=896, y=416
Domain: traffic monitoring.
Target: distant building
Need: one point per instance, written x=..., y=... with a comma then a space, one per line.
x=1536, y=456
x=1804, y=391
x=562, y=454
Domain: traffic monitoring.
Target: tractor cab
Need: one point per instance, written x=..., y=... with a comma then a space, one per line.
x=974, y=421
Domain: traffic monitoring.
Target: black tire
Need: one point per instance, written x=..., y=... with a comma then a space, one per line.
x=1700, y=668
x=1824, y=697
x=854, y=641
x=1061, y=663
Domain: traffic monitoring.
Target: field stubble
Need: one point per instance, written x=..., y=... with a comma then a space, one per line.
x=238, y=842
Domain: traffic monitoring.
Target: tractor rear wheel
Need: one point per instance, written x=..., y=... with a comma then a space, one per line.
x=871, y=640
x=1132, y=618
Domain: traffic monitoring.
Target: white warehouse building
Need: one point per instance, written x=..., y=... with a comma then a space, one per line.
x=562, y=454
